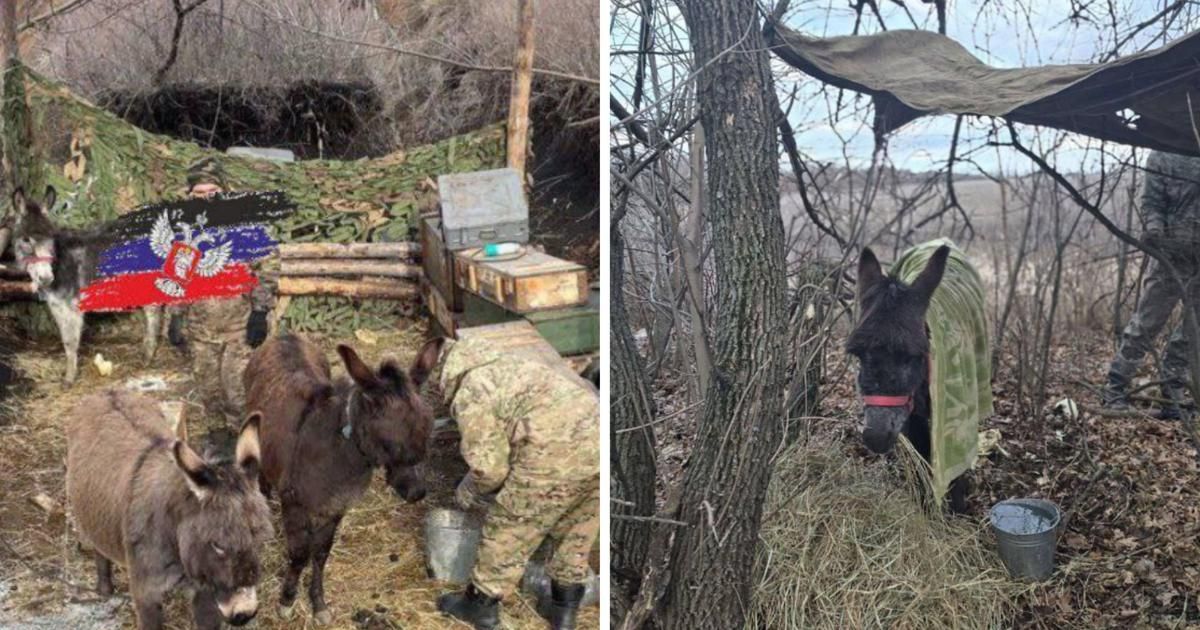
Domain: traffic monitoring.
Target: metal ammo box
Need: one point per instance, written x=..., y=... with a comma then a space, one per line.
x=483, y=207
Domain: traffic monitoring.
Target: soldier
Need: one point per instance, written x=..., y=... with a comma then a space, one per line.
x=532, y=439
x=221, y=334
x=1171, y=206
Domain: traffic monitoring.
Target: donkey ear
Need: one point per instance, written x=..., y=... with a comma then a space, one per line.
x=51, y=197
x=195, y=470
x=426, y=359
x=356, y=368
x=248, y=453
x=869, y=271
x=931, y=275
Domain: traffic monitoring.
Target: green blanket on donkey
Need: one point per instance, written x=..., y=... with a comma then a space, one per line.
x=960, y=379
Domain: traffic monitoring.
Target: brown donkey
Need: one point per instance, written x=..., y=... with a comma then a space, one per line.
x=324, y=438
x=146, y=500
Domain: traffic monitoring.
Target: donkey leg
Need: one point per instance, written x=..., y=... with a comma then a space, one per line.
x=153, y=330
x=69, y=319
x=104, y=584
x=299, y=539
x=322, y=543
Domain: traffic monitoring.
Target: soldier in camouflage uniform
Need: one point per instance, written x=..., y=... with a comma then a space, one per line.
x=1171, y=210
x=531, y=436
x=221, y=334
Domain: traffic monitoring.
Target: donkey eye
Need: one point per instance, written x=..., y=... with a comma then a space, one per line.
x=220, y=551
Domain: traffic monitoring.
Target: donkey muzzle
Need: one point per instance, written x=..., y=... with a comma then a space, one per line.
x=881, y=427
x=240, y=607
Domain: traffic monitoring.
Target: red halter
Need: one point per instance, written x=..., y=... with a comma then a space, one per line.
x=906, y=401
x=33, y=260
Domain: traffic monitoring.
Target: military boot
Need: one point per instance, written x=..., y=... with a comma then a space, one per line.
x=473, y=607
x=1178, y=405
x=1116, y=393
x=561, y=605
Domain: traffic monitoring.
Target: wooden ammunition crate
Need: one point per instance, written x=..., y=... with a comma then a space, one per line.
x=531, y=282
x=571, y=331
x=439, y=264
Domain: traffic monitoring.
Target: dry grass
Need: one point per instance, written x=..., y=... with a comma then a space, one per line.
x=375, y=577
x=845, y=546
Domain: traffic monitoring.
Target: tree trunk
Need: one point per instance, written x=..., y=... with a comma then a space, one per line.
x=522, y=88
x=632, y=454
x=741, y=425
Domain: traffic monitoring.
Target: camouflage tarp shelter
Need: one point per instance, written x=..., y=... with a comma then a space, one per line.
x=103, y=167
x=1141, y=99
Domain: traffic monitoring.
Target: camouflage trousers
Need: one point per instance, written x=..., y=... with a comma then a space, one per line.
x=525, y=513
x=1160, y=295
x=217, y=371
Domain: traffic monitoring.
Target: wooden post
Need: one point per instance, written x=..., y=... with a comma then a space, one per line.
x=522, y=87
x=10, y=29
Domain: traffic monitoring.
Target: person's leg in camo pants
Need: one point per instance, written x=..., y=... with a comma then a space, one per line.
x=524, y=514
x=1160, y=295
x=1176, y=371
x=206, y=372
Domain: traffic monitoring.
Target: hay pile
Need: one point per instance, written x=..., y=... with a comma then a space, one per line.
x=845, y=545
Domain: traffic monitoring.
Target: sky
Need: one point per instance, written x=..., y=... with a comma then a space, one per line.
x=1001, y=33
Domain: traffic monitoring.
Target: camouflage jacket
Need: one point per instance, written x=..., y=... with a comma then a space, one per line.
x=518, y=416
x=224, y=320
x=1171, y=198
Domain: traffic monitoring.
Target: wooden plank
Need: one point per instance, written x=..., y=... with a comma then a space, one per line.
x=349, y=250
x=348, y=267
x=531, y=282
x=569, y=331
x=386, y=288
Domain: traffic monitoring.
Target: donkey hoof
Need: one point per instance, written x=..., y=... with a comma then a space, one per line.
x=286, y=612
x=323, y=618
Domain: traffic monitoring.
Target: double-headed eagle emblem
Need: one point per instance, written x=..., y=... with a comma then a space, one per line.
x=183, y=258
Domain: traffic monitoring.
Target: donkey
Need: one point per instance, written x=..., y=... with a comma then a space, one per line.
x=324, y=439
x=891, y=343
x=61, y=262
x=144, y=499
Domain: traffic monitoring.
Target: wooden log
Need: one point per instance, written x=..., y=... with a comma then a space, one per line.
x=349, y=250
x=522, y=88
x=16, y=289
x=348, y=267
x=12, y=273
x=385, y=288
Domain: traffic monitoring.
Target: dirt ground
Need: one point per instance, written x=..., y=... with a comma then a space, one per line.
x=375, y=578
x=1130, y=487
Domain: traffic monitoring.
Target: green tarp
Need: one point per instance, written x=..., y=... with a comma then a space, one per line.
x=103, y=167
x=960, y=380
x=1145, y=99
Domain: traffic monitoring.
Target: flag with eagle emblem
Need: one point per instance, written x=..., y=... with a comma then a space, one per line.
x=184, y=251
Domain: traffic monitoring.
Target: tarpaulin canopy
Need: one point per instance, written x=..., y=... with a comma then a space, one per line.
x=1141, y=99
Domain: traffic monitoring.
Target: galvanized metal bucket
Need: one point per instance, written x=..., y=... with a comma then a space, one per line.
x=1027, y=533
x=451, y=544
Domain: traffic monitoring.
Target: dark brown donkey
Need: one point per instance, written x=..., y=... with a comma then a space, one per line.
x=145, y=500
x=892, y=347
x=324, y=438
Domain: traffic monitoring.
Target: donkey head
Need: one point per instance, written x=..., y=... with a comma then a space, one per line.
x=891, y=344
x=33, y=237
x=221, y=533
x=388, y=419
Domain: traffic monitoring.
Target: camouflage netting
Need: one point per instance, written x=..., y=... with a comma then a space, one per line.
x=103, y=167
